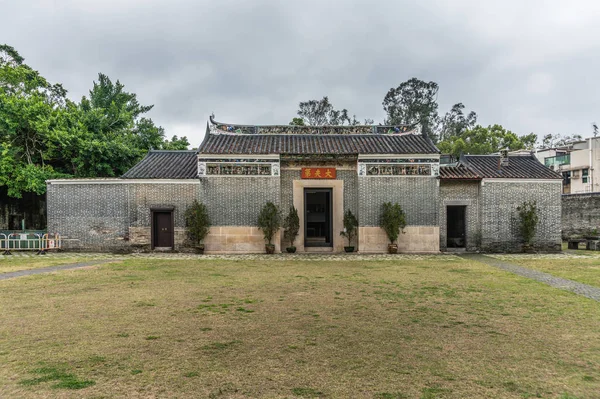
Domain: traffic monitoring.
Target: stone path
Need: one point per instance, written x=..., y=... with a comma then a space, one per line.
x=20, y=273
x=276, y=257
x=585, y=290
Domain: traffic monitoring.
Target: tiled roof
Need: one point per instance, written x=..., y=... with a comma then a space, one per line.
x=519, y=167
x=165, y=165
x=459, y=172
x=316, y=144
x=231, y=139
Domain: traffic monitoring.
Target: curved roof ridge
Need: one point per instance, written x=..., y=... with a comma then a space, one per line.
x=216, y=127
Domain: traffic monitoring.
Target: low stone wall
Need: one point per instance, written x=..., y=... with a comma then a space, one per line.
x=415, y=239
x=237, y=239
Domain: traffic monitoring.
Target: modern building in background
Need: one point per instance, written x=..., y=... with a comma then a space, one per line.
x=577, y=163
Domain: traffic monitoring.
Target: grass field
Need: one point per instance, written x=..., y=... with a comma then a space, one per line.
x=584, y=270
x=12, y=263
x=423, y=327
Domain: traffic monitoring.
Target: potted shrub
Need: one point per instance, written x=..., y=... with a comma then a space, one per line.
x=291, y=224
x=269, y=221
x=197, y=223
x=350, y=229
x=528, y=220
x=392, y=222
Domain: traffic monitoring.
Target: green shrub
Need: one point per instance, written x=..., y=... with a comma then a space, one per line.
x=197, y=222
x=392, y=220
x=350, y=227
x=269, y=221
x=528, y=220
x=291, y=225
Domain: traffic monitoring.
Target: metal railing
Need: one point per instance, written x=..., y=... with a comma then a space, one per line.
x=30, y=242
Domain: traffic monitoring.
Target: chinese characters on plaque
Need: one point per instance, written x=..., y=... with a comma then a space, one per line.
x=318, y=173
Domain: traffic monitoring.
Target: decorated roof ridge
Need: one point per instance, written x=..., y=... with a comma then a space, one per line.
x=225, y=128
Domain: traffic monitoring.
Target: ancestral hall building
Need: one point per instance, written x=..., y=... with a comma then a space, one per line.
x=322, y=171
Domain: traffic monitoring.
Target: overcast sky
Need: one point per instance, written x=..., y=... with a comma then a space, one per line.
x=531, y=66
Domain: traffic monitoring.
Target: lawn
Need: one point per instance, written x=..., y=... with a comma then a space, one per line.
x=13, y=263
x=582, y=269
x=418, y=327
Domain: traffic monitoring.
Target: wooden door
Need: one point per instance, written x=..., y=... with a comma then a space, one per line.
x=163, y=229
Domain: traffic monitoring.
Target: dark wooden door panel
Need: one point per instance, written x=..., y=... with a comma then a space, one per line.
x=163, y=234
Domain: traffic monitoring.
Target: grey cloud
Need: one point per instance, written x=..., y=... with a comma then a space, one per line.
x=530, y=66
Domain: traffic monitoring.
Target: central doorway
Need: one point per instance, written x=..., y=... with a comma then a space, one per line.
x=318, y=226
x=456, y=227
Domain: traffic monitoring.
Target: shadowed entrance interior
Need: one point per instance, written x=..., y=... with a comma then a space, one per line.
x=456, y=226
x=317, y=216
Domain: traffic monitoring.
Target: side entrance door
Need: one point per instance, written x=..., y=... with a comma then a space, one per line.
x=456, y=227
x=162, y=231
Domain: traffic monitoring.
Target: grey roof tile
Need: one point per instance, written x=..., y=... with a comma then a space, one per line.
x=519, y=167
x=165, y=165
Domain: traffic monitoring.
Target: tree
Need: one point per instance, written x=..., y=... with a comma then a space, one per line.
x=455, y=122
x=269, y=221
x=413, y=102
x=322, y=113
x=291, y=225
x=528, y=220
x=486, y=140
x=392, y=220
x=350, y=227
x=197, y=222
x=44, y=135
x=557, y=140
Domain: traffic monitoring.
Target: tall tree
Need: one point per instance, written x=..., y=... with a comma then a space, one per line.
x=44, y=135
x=321, y=113
x=455, y=122
x=413, y=102
x=486, y=140
x=558, y=140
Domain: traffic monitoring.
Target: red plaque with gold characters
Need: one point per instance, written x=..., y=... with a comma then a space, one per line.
x=318, y=173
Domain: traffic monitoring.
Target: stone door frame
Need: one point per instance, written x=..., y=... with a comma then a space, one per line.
x=337, y=211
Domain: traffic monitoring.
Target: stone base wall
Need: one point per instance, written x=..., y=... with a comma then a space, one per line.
x=422, y=239
x=237, y=239
x=139, y=237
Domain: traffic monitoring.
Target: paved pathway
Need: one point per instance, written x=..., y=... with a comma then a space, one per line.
x=20, y=273
x=585, y=290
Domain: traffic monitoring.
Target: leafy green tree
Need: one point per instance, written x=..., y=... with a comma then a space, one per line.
x=297, y=122
x=322, y=113
x=197, y=222
x=486, y=140
x=392, y=220
x=44, y=135
x=269, y=221
x=528, y=221
x=291, y=224
x=413, y=102
x=455, y=122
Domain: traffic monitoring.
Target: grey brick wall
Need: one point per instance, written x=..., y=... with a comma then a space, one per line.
x=98, y=216
x=236, y=201
x=580, y=214
x=142, y=197
x=418, y=197
x=89, y=216
x=350, y=189
x=460, y=193
x=499, y=217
